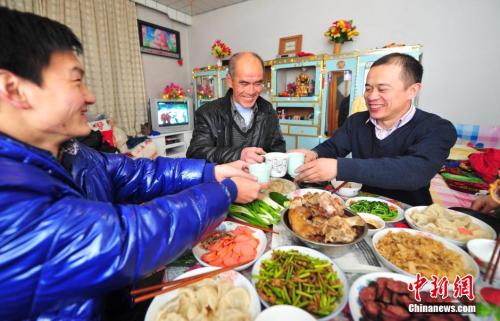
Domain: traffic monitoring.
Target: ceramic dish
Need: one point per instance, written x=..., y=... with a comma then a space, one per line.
x=234, y=277
x=377, y=223
x=362, y=282
x=468, y=261
x=351, y=189
x=400, y=216
x=333, y=249
x=277, y=312
x=481, y=251
x=226, y=226
x=313, y=253
x=474, y=220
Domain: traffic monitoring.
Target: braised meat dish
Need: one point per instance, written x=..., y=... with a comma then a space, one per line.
x=320, y=217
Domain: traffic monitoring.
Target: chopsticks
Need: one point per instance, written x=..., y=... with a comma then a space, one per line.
x=265, y=229
x=491, y=269
x=339, y=187
x=164, y=287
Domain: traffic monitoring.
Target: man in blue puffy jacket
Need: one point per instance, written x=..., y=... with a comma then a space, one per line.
x=76, y=224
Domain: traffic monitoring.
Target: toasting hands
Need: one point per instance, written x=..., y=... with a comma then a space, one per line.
x=318, y=170
x=248, y=188
x=252, y=155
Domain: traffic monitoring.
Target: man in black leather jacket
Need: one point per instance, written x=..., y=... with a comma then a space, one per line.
x=241, y=125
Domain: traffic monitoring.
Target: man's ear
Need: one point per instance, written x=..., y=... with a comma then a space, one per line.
x=11, y=89
x=229, y=80
x=414, y=89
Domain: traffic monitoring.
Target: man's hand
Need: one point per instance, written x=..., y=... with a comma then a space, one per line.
x=248, y=190
x=484, y=204
x=252, y=155
x=234, y=169
x=319, y=170
x=309, y=154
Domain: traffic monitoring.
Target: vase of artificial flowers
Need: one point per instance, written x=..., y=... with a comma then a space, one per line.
x=220, y=50
x=173, y=91
x=339, y=32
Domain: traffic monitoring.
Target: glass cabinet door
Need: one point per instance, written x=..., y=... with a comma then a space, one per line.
x=205, y=89
x=340, y=80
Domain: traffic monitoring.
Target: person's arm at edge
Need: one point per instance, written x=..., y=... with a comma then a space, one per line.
x=96, y=247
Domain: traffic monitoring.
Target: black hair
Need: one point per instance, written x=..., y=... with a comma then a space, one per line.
x=411, y=68
x=27, y=42
x=234, y=59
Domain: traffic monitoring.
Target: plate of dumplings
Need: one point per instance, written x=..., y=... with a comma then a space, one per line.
x=228, y=296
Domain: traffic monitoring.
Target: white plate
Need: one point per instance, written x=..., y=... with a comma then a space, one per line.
x=226, y=226
x=303, y=191
x=362, y=282
x=474, y=220
x=398, y=218
x=312, y=253
x=468, y=261
x=277, y=312
x=234, y=277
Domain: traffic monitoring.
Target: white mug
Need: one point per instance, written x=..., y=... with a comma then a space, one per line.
x=278, y=162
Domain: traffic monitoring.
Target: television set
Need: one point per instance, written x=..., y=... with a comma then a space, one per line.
x=170, y=116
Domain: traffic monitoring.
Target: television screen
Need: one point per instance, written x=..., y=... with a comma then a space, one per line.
x=172, y=113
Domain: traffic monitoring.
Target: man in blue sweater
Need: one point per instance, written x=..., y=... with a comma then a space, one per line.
x=396, y=148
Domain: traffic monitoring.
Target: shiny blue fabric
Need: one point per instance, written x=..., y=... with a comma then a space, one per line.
x=67, y=240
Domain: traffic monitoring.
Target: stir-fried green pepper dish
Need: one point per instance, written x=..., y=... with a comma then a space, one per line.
x=381, y=209
x=300, y=280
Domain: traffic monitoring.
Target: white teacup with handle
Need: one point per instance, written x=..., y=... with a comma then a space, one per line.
x=278, y=162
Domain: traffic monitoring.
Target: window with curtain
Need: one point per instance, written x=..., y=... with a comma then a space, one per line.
x=113, y=66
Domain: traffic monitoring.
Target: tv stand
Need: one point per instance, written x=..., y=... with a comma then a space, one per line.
x=172, y=144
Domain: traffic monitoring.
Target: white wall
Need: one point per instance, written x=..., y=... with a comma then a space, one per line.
x=460, y=39
x=160, y=71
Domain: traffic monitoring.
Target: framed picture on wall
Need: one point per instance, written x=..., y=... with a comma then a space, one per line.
x=157, y=40
x=290, y=45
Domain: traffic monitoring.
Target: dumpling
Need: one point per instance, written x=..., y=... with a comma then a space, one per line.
x=207, y=297
x=189, y=305
x=236, y=298
x=232, y=315
x=171, y=306
x=173, y=317
x=223, y=285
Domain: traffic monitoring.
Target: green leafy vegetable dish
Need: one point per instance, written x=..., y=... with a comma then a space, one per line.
x=381, y=209
x=263, y=212
x=292, y=278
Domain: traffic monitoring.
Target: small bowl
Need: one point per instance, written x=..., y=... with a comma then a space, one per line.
x=481, y=251
x=373, y=220
x=351, y=189
x=333, y=249
x=277, y=312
